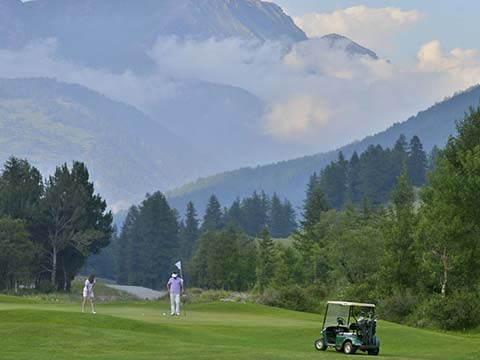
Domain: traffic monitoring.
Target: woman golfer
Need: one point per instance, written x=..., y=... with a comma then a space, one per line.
x=88, y=292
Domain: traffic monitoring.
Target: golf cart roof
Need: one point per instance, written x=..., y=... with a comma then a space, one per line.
x=346, y=303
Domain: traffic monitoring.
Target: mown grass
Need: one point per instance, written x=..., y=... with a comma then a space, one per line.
x=37, y=329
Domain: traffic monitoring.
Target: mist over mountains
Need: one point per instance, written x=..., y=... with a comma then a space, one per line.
x=127, y=153
x=216, y=85
x=433, y=125
x=117, y=34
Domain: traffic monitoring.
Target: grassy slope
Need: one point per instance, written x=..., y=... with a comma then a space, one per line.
x=33, y=329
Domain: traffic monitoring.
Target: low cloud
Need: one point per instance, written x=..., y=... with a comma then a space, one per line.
x=317, y=96
x=372, y=27
x=296, y=116
x=462, y=66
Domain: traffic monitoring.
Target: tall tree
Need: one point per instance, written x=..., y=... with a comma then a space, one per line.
x=234, y=215
x=277, y=217
x=333, y=180
x=190, y=233
x=158, y=233
x=254, y=213
x=450, y=229
x=21, y=190
x=127, y=257
x=16, y=253
x=306, y=239
x=416, y=162
x=353, y=191
x=265, y=261
x=76, y=219
x=213, y=218
x=400, y=260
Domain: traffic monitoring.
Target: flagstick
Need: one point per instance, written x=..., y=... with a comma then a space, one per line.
x=183, y=286
x=185, y=293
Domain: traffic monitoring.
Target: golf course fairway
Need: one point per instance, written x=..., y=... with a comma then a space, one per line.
x=37, y=330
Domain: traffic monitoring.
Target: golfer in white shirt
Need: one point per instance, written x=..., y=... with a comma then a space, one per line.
x=88, y=292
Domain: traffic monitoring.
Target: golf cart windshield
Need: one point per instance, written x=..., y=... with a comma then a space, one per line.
x=334, y=312
x=346, y=312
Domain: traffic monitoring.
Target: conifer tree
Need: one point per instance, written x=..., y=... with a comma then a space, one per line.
x=353, y=191
x=277, y=217
x=158, y=233
x=265, y=261
x=127, y=258
x=333, y=180
x=289, y=222
x=213, y=218
x=400, y=260
x=416, y=162
x=77, y=222
x=190, y=232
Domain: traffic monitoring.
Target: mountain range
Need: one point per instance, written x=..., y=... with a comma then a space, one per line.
x=116, y=34
x=200, y=127
x=289, y=178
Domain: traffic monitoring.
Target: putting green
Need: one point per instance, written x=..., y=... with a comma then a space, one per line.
x=32, y=329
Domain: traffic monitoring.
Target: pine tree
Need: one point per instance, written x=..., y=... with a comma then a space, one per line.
x=158, y=232
x=21, y=191
x=353, y=191
x=77, y=222
x=289, y=222
x=254, y=213
x=400, y=260
x=416, y=162
x=306, y=240
x=277, y=217
x=315, y=203
x=265, y=261
x=213, y=218
x=190, y=232
x=333, y=180
x=433, y=157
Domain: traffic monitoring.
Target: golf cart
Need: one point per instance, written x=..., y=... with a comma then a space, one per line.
x=348, y=327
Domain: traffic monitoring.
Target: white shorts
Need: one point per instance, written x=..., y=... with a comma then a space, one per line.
x=87, y=293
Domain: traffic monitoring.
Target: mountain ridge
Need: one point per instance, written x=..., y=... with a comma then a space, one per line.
x=128, y=154
x=84, y=36
x=288, y=178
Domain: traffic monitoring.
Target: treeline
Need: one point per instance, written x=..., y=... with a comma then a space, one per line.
x=252, y=214
x=417, y=257
x=371, y=175
x=153, y=238
x=48, y=228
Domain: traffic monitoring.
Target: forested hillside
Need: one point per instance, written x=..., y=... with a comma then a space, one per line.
x=128, y=153
x=433, y=126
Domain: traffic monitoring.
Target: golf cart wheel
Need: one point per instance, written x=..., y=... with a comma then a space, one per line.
x=349, y=348
x=338, y=348
x=374, y=352
x=320, y=345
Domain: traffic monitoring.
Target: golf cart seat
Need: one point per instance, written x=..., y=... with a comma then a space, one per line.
x=333, y=331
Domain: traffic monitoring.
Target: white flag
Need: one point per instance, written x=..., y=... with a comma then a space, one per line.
x=178, y=264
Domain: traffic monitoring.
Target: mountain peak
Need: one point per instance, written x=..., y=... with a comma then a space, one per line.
x=114, y=34
x=350, y=46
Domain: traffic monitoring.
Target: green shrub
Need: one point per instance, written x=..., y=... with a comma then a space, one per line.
x=196, y=295
x=294, y=297
x=399, y=306
x=458, y=311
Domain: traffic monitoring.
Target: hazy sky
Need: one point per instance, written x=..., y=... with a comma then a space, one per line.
x=453, y=23
x=316, y=96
